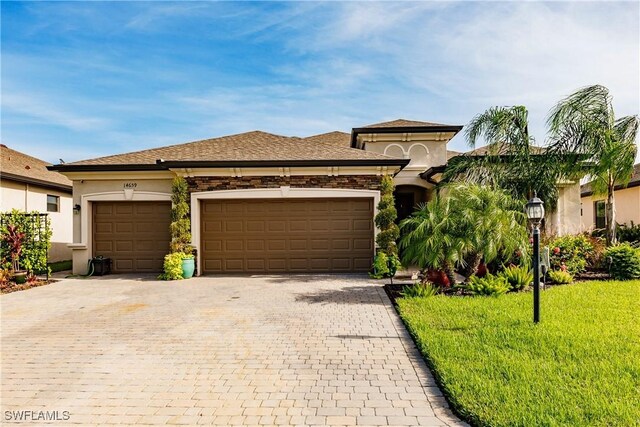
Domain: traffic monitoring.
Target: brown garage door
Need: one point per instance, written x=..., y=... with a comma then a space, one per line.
x=301, y=235
x=135, y=235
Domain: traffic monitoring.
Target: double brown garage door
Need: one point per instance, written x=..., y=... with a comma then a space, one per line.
x=293, y=235
x=135, y=235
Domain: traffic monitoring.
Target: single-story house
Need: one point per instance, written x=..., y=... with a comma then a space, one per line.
x=627, y=204
x=27, y=185
x=260, y=203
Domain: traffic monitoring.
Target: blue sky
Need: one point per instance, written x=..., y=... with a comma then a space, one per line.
x=85, y=79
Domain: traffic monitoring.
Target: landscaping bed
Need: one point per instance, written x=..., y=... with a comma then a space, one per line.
x=8, y=287
x=577, y=367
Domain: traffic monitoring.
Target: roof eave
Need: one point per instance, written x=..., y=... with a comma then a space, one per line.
x=429, y=173
x=404, y=129
x=281, y=163
x=169, y=164
x=34, y=181
x=632, y=184
x=104, y=167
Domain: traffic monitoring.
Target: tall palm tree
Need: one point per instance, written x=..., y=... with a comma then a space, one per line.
x=511, y=160
x=585, y=123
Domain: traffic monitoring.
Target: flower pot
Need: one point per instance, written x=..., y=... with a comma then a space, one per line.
x=188, y=267
x=482, y=270
x=438, y=277
x=20, y=277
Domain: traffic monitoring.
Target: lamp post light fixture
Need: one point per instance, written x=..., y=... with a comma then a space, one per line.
x=535, y=214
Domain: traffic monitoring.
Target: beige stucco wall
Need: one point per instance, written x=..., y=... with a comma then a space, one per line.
x=28, y=197
x=566, y=217
x=627, y=204
x=424, y=149
x=120, y=188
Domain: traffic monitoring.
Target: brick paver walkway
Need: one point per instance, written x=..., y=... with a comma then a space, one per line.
x=283, y=350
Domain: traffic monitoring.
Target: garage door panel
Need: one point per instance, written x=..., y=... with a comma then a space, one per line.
x=298, y=244
x=212, y=226
x=255, y=245
x=256, y=264
x=135, y=235
x=233, y=245
x=362, y=225
x=120, y=265
x=234, y=265
x=361, y=264
x=233, y=226
x=124, y=245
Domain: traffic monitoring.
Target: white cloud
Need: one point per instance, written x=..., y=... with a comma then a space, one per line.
x=44, y=111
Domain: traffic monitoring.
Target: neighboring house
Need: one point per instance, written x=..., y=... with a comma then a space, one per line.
x=27, y=185
x=260, y=203
x=627, y=204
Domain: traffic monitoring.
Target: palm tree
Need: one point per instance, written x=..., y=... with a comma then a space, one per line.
x=433, y=239
x=495, y=222
x=585, y=123
x=462, y=225
x=511, y=160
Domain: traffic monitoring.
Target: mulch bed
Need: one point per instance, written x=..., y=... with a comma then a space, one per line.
x=7, y=288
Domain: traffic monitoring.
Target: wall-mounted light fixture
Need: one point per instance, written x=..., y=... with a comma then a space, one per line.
x=76, y=209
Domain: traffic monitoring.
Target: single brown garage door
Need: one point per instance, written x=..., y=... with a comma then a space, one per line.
x=295, y=235
x=135, y=235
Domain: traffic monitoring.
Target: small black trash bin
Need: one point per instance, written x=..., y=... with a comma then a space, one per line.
x=101, y=266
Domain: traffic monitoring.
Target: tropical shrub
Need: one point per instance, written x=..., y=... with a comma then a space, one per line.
x=570, y=252
x=462, y=225
x=386, y=262
x=624, y=261
x=419, y=290
x=173, y=266
x=36, y=242
x=518, y=277
x=629, y=233
x=384, y=265
x=560, y=277
x=180, y=223
x=488, y=285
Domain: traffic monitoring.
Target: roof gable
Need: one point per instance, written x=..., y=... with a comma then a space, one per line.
x=398, y=123
x=20, y=166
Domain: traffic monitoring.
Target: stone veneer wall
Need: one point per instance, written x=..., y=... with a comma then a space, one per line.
x=213, y=183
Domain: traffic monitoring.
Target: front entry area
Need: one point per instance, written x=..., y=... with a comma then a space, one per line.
x=287, y=235
x=135, y=235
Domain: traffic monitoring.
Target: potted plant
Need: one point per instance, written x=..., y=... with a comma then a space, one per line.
x=15, y=239
x=188, y=263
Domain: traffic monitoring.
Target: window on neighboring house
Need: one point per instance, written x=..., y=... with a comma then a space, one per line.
x=600, y=213
x=53, y=203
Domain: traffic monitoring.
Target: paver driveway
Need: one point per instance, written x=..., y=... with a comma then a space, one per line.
x=285, y=350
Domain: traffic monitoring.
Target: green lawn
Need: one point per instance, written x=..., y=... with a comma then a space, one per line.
x=579, y=367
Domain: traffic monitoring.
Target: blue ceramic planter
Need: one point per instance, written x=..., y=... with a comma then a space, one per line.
x=188, y=267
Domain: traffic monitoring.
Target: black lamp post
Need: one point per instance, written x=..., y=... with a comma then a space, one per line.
x=535, y=213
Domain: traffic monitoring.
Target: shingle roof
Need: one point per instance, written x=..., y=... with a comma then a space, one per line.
x=585, y=189
x=338, y=138
x=499, y=150
x=249, y=146
x=404, y=123
x=451, y=153
x=15, y=164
